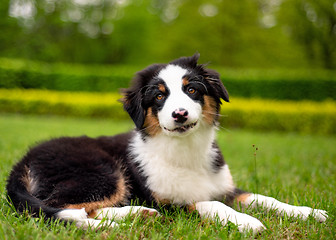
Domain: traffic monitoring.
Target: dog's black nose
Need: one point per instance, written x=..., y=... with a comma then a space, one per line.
x=180, y=115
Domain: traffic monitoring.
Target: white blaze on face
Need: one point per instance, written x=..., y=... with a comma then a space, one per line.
x=172, y=75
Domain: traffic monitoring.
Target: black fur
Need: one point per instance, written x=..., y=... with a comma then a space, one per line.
x=67, y=171
x=73, y=171
x=133, y=102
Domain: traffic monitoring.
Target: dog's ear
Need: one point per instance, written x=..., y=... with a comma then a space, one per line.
x=133, y=96
x=216, y=84
x=132, y=104
x=187, y=62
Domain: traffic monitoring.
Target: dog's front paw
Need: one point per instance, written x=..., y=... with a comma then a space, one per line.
x=246, y=223
x=305, y=212
x=147, y=212
x=90, y=223
x=320, y=215
x=215, y=209
x=121, y=212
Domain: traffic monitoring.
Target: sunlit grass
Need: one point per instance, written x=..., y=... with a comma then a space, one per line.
x=298, y=169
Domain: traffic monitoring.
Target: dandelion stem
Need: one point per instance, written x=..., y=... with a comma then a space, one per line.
x=255, y=167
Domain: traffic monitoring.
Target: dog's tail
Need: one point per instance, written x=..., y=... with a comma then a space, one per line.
x=22, y=200
x=19, y=194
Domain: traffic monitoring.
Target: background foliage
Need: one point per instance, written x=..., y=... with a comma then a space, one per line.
x=264, y=50
x=245, y=33
x=315, y=85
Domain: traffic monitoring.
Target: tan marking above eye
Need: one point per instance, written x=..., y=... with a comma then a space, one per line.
x=162, y=88
x=185, y=81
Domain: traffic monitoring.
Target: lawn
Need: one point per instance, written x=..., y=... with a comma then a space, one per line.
x=298, y=169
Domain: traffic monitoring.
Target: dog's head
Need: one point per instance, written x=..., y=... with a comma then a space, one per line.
x=175, y=98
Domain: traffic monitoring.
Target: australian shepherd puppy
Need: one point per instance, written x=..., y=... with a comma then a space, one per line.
x=170, y=158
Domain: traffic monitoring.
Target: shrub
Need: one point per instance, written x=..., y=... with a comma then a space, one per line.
x=314, y=85
x=63, y=77
x=304, y=116
x=61, y=103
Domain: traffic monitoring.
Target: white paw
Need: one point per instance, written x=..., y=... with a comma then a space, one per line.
x=284, y=208
x=141, y=209
x=121, y=212
x=320, y=215
x=215, y=209
x=79, y=216
x=148, y=211
x=72, y=214
x=246, y=223
x=304, y=212
x=90, y=223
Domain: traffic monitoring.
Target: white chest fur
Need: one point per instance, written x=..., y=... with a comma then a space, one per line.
x=180, y=169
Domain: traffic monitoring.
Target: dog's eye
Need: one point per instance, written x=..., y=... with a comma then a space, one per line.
x=191, y=90
x=159, y=97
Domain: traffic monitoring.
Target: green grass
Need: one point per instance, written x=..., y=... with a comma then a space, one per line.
x=298, y=169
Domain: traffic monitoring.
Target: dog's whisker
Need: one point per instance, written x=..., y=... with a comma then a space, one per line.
x=220, y=127
x=214, y=113
x=149, y=127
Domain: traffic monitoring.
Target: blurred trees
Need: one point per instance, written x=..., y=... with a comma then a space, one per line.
x=245, y=33
x=312, y=24
x=9, y=30
x=97, y=31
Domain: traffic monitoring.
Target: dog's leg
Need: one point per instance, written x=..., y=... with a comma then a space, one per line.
x=90, y=223
x=118, y=213
x=80, y=217
x=255, y=200
x=213, y=209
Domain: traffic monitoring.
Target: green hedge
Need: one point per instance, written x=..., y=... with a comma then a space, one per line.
x=25, y=74
x=314, y=85
x=304, y=116
x=269, y=115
